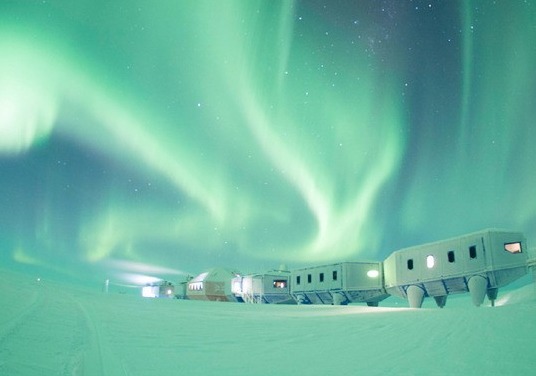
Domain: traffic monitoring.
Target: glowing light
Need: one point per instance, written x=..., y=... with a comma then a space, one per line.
x=236, y=287
x=430, y=261
x=373, y=273
x=137, y=279
x=139, y=267
x=150, y=291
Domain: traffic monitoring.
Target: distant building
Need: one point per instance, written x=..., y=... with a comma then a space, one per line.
x=479, y=263
x=340, y=283
x=181, y=288
x=272, y=287
x=163, y=289
x=213, y=285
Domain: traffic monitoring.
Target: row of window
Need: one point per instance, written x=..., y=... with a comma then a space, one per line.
x=451, y=257
x=195, y=286
x=334, y=277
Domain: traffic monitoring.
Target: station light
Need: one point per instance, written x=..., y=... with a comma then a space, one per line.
x=373, y=273
x=149, y=291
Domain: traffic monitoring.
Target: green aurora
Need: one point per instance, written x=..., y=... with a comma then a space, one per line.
x=167, y=137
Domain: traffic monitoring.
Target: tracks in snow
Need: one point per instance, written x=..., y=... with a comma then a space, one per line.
x=99, y=358
x=55, y=333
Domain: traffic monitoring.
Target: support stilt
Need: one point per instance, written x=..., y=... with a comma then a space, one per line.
x=415, y=296
x=440, y=300
x=338, y=298
x=492, y=295
x=477, y=287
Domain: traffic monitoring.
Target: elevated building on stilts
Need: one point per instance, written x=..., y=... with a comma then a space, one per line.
x=479, y=263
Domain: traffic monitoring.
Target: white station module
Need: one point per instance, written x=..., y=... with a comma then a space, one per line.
x=272, y=287
x=340, y=283
x=478, y=263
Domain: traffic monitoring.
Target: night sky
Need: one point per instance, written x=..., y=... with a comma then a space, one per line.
x=147, y=139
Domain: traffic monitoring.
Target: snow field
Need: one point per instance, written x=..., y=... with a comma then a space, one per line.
x=58, y=329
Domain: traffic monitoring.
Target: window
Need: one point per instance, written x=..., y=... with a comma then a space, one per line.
x=195, y=286
x=373, y=273
x=410, y=264
x=472, y=251
x=298, y=280
x=334, y=275
x=430, y=261
x=309, y=279
x=280, y=283
x=321, y=277
x=513, y=247
x=450, y=256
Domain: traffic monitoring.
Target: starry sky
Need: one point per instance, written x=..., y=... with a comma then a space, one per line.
x=156, y=139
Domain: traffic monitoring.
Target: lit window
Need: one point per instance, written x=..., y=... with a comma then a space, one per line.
x=195, y=286
x=321, y=277
x=472, y=251
x=373, y=273
x=410, y=264
x=430, y=261
x=450, y=256
x=280, y=283
x=513, y=247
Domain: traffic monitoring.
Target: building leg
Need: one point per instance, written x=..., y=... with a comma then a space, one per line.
x=415, y=296
x=477, y=287
x=441, y=300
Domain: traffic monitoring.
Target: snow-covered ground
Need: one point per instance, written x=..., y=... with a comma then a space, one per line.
x=49, y=328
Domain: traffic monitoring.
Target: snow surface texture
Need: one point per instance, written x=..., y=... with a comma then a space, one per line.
x=48, y=328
